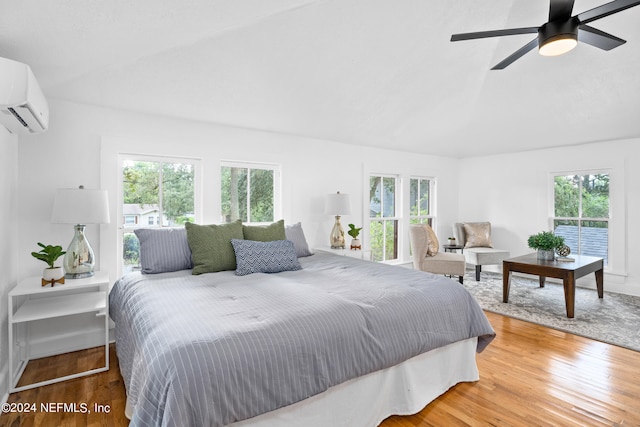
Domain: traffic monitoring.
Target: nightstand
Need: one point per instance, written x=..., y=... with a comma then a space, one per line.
x=360, y=254
x=30, y=301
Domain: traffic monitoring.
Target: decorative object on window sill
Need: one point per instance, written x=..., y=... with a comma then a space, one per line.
x=354, y=232
x=80, y=207
x=337, y=204
x=545, y=243
x=50, y=254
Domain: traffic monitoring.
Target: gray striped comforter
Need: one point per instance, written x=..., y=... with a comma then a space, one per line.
x=216, y=348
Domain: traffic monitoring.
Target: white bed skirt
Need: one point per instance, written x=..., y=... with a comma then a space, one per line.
x=366, y=401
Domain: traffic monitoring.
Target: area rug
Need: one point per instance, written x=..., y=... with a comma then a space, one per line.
x=615, y=319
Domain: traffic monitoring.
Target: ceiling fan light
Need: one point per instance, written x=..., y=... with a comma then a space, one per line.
x=558, y=46
x=557, y=37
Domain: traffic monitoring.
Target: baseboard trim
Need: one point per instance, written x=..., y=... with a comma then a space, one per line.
x=4, y=376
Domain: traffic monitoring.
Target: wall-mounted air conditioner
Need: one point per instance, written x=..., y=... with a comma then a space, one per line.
x=23, y=107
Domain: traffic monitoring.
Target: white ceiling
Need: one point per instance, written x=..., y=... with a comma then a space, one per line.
x=381, y=73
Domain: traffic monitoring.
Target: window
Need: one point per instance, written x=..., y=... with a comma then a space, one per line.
x=420, y=201
x=383, y=217
x=250, y=192
x=162, y=190
x=581, y=212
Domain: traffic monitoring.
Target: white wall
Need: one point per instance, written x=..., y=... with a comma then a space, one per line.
x=9, y=239
x=515, y=193
x=512, y=191
x=81, y=144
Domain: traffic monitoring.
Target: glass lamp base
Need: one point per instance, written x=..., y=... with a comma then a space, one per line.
x=78, y=275
x=337, y=235
x=79, y=259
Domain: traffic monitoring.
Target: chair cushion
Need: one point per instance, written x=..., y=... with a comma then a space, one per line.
x=477, y=235
x=445, y=263
x=485, y=256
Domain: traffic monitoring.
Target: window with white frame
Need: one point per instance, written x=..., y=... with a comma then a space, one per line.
x=581, y=212
x=250, y=192
x=421, y=199
x=155, y=192
x=384, y=217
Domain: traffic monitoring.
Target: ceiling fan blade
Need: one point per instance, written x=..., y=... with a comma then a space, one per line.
x=516, y=55
x=496, y=33
x=606, y=10
x=597, y=38
x=560, y=9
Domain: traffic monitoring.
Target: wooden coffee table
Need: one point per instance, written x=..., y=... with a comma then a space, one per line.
x=568, y=271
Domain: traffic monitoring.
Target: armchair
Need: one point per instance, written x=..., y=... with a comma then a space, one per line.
x=475, y=237
x=424, y=242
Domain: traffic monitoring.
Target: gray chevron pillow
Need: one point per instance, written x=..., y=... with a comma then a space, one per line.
x=265, y=257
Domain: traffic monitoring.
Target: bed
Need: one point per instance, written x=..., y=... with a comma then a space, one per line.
x=339, y=341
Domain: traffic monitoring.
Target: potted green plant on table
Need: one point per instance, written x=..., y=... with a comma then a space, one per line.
x=50, y=254
x=354, y=232
x=545, y=243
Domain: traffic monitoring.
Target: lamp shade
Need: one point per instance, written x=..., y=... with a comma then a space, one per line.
x=338, y=204
x=80, y=206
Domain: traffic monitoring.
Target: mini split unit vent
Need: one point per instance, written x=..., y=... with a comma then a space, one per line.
x=23, y=107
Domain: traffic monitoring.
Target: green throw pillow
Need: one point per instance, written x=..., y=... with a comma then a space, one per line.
x=265, y=233
x=211, y=248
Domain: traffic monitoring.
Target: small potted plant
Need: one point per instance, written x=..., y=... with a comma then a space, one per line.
x=545, y=243
x=452, y=241
x=50, y=255
x=354, y=232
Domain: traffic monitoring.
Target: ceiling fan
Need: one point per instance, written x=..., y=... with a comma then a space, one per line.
x=562, y=32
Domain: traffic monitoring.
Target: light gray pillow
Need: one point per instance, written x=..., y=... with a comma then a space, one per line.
x=163, y=250
x=296, y=235
x=265, y=257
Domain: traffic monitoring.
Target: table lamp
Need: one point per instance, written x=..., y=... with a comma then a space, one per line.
x=80, y=207
x=337, y=204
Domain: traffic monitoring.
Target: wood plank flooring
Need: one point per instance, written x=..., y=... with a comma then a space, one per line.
x=529, y=375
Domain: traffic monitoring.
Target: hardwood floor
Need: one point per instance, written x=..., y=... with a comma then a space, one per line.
x=529, y=375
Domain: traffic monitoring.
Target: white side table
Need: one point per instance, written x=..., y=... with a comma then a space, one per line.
x=30, y=301
x=360, y=254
